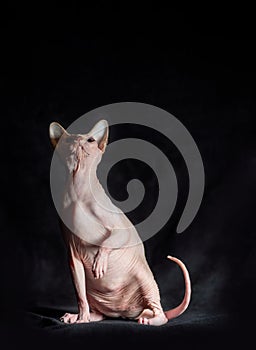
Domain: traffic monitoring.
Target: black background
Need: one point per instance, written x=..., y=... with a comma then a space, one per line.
x=60, y=61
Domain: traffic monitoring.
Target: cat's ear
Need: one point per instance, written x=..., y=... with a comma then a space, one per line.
x=100, y=133
x=55, y=133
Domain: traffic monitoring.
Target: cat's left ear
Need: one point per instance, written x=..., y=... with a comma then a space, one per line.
x=55, y=133
x=100, y=133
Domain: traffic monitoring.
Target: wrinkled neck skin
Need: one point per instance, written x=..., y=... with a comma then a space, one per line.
x=82, y=179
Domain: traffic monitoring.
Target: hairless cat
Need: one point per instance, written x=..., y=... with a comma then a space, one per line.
x=106, y=255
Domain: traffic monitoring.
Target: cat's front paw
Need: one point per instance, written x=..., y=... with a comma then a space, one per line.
x=100, y=263
x=69, y=318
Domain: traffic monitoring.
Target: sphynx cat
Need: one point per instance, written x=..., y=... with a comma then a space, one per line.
x=106, y=255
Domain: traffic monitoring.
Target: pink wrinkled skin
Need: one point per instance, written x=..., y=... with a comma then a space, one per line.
x=111, y=275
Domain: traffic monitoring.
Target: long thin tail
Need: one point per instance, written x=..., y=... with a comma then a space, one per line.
x=185, y=302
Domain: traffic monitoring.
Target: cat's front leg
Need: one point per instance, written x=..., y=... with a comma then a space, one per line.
x=100, y=263
x=78, y=276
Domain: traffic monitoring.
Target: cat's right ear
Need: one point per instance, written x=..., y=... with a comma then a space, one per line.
x=55, y=133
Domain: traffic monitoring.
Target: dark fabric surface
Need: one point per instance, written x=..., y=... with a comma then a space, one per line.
x=200, y=329
x=57, y=66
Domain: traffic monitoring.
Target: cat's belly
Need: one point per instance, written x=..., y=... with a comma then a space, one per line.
x=118, y=292
x=121, y=302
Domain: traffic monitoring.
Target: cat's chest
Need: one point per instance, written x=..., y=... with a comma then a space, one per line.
x=83, y=222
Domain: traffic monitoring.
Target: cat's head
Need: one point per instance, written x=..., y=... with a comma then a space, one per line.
x=74, y=148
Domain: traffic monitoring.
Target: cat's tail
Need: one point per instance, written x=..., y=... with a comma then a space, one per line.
x=185, y=302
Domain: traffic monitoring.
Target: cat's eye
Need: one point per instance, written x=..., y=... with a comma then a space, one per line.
x=91, y=139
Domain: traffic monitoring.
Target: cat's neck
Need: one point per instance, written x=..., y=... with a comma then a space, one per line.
x=82, y=183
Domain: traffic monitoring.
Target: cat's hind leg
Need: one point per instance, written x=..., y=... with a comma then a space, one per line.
x=148, y=317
